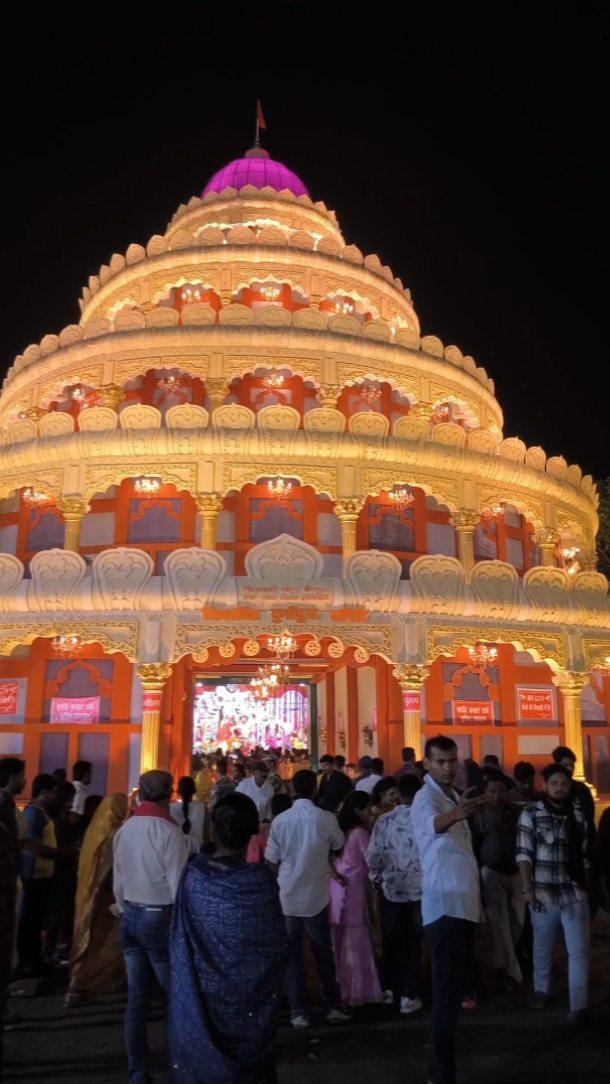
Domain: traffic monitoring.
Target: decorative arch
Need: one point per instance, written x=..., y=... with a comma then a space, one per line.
x=409, y=532
x=550, y=649
x=365, y=641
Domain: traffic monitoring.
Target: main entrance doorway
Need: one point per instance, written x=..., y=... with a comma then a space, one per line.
x=227, y=716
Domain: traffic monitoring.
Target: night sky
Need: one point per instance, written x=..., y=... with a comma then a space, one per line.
x=466, y=148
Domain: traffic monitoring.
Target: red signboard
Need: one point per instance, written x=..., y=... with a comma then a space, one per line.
x=536, y=704
x=411, y=701
x=468, y=712
x=75, y=709
x=9, y=695
x=151, y=701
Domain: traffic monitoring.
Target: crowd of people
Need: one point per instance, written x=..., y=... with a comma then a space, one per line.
x=233, y=892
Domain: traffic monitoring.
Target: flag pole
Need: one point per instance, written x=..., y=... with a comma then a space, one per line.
x=257, y=141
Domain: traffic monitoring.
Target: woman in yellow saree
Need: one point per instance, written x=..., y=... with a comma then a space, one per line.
x=96, y=961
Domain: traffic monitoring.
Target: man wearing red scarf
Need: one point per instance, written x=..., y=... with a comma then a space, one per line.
x=149, y=856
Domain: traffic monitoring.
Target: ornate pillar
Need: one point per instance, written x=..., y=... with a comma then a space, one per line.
x=348, y=509
x=411, y=678
x=112, y=395
x=217, y=390
x=328, y=395
x=72, y=509
x=465, y=520
x=208, y=506
x=546, y=540
x=153, y=676
x=571, y=684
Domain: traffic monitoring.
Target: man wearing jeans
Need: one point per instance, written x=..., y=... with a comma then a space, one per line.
x=149, y=856
x=552, y=841
x=393, y=862
x=300, y=842
x=450, y=895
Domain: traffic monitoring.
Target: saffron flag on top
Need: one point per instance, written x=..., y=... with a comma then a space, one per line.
x=260, y=119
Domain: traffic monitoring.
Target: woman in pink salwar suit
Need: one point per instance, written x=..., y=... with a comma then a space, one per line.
x=349, y=907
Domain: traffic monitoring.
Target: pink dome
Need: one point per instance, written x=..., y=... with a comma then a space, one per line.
x=259, y=170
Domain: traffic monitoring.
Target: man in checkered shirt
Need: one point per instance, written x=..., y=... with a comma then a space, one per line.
x=553, y=863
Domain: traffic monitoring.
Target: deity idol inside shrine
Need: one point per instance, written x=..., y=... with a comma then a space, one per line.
x=245, y=502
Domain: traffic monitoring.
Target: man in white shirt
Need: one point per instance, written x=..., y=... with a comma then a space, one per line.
x=450, y=895
x=149, y=855
x=81, y=779
x=259, y=790
x=300, y=843
x=393, y=861
x=371, y=772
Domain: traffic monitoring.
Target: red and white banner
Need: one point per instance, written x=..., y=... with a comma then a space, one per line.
x=468, y=712
x=536, y=704
x=9, y=696
x=151, y=701
x=75, y=709
x=411, y=701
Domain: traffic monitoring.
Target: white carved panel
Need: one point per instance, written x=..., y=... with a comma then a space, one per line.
x=233, y=416
x=374, y=578
x=56, y=424
x=56, y=577
x=120, y=576
x=193, y=575
x=278, y=417
x=187, y=416
x=369, y=423
x=547, y=590
x=496, y=587
x=140, y=416
x=98, y=420
x=325, y=420
x=438, y=584
x=11, y=575
x=284, y=559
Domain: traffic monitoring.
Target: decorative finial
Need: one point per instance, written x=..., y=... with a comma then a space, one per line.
x=257, y=151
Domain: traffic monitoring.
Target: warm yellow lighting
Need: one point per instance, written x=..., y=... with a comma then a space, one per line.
x=402, y=497
x=279, y=488
x=146, y=487
x=282, y=645
x=483, y=655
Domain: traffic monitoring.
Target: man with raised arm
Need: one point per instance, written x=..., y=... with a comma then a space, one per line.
x=450, y=895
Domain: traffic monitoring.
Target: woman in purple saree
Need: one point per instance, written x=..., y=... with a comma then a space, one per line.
x=228, y=955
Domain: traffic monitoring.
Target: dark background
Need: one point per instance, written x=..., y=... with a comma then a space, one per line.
x=466, y=146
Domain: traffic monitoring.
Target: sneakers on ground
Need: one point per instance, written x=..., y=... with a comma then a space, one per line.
x=538, y=1001
x=409, y=1005
x=299, y=1020
x=387, y=997
x=469, y=1002
x=576, y=1018
x=338, y=1016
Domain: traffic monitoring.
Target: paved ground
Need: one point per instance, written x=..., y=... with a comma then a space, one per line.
x=502, y=1042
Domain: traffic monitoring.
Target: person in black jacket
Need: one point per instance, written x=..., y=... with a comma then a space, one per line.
x=333, y=785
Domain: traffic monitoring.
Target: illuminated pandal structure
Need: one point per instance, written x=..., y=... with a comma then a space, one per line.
x=377, y=508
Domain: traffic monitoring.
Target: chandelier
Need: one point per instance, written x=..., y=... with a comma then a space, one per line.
x=279, y=488
x=146, y=487
x=169, y=384
x=67, y=644
x=269, y=680
x=402, y=497
x=191, y=293
x=603, y=668
x=494, y=512
x=270, y=292
x=283, y=645
x=344, y=307
x=35, y=497
x=370, y=395
x=274, y=380
x=442, y=414
x=483, y=655
x=86, y=399
x=570, y=563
